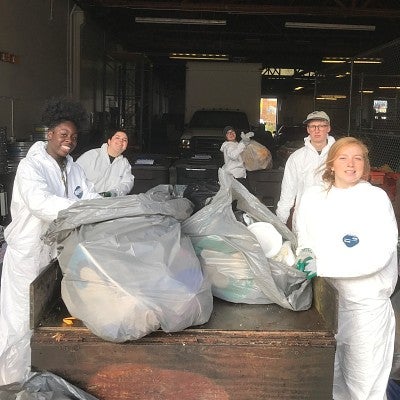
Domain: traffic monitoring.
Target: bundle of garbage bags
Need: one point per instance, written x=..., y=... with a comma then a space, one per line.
x=127, y=269
x=134, y=264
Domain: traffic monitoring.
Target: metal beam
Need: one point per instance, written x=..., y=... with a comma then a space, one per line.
x=231, y=7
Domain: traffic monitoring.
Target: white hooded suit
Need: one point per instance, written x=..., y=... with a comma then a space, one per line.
x=38, y=195
x=115, y=177
x=353, y=234
x=301, y=172
x=233, y=162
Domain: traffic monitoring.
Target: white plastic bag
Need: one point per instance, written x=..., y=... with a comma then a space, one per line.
x=242, y=273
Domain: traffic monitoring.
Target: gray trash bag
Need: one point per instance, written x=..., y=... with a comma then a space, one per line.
x=232, y=257
x=131, y=275
x=43, y=386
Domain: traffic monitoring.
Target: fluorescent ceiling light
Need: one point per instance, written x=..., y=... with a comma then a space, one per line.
x=299, y=88
x=179, y=21
x=357, y=60
x=196, y=56
x=389, y=87
x=313, y=25
x=331, y=96
x=366, y=91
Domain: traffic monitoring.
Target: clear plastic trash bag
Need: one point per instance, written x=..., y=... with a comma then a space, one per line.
x=233, y=259
x=43, y=386
x=256, y=157
x=129, y=273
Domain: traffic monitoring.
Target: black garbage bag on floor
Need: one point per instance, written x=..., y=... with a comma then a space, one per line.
x=200, y=194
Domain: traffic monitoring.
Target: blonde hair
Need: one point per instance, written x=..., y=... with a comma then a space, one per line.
x=328, y=175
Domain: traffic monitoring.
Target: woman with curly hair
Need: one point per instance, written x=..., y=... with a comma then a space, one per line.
x=46, y=181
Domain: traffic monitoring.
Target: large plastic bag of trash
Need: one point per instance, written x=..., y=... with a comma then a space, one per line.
x=43, y=386
x=233, y=259
x=127, y=269
x=256, y=156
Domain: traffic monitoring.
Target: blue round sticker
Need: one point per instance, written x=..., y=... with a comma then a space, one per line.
x=78, y=192
x=350, y=240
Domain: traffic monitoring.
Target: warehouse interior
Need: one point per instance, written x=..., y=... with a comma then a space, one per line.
x=127, y=62
x=116, y=56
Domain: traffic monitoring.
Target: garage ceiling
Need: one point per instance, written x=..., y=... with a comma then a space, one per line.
x=255, y=31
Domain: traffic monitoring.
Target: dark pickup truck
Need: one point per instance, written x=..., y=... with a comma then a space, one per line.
x=204, y=133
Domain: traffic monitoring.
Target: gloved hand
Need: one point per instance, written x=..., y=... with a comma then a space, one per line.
x=246, y=137
x=106, y=194
x=306, y=263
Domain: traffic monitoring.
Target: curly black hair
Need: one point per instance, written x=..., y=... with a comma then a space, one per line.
x=61, y=109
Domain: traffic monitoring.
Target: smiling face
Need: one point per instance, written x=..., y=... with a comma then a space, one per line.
x=349, y=166
x=117, y=144
x=230, y=135
x=62, y=140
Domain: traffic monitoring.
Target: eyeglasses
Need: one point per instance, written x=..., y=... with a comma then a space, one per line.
x=316, y=127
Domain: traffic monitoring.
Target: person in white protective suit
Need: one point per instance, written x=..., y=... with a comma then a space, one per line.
x=47, y=181
x=232, y=150
x=107, y=168
x=301, y=168
x=347, y=232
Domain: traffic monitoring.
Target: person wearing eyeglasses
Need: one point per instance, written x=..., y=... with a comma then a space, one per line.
x=302, y=167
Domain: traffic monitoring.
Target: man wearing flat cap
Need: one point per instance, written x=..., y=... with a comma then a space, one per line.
x=302, y=167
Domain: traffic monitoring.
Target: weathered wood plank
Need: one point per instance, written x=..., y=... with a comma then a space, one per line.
x=44, y=292
x=251, y=368
x=325, y=300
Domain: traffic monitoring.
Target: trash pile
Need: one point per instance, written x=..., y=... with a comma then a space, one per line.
x=135, y=264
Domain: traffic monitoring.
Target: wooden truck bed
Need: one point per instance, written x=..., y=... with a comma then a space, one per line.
x=243, y=352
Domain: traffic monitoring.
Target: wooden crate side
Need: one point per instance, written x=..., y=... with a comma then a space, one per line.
x=44, y=292
x=219, y=365
x=325, y=300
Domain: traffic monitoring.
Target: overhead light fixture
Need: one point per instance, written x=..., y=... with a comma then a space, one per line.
x=326, y=98
x=357, y=60
x=331, y=97
x=179, y=21
x=299, y=88
x=313, y=25
x=366, y=91
x=389, y=87
x=198, y=56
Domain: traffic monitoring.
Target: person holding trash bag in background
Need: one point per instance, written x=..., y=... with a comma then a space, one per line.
x=302, y=166
x=347, y=232
x=232, y=150
x=107, y=168
x=47, y=181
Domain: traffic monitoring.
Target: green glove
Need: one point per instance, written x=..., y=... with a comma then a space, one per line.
x=106, y=194
x=306, y=263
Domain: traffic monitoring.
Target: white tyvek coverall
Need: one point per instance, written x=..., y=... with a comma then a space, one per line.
x=301, y=172
x=116, y=178
x=233, y=162
x=365, y=276
x=38, y=196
